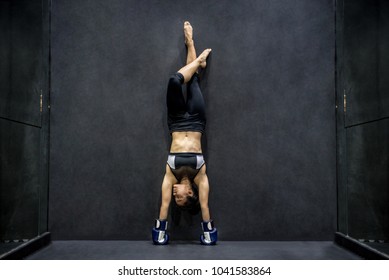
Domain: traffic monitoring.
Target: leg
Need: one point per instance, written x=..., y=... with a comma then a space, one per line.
x=188, y=70
x=188, y=32
x=192, y=63
x=174, y=98
x=195, y=100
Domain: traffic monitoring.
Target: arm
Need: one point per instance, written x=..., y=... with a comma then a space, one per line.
x=159, y=234
x=209, y=236
x=167, y=185
x=201, y=181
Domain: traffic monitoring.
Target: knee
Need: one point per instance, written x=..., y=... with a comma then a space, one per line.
x=176, y=79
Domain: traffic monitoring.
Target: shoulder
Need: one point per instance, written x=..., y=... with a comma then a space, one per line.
x=169, y=173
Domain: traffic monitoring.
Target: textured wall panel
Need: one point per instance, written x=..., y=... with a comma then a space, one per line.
x=368, y=181
x=366, y=60
x=19, y=180
x=22, y=71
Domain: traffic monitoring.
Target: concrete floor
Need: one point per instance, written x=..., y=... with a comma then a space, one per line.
x=225, y=250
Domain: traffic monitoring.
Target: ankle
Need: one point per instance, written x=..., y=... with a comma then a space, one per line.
x=189, y=43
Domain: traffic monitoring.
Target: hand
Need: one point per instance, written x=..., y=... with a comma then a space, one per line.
x=159, y=235
x=209, y=237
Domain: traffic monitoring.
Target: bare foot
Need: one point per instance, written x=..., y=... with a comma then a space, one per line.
x=203, y=58
x=188, y=32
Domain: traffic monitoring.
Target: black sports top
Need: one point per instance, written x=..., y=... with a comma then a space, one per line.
x=185, y=164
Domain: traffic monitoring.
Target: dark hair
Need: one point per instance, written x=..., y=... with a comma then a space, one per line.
x=192, y=205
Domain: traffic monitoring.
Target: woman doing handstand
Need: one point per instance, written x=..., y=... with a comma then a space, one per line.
x=185, y=168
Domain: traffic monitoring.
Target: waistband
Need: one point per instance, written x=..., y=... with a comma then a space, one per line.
x=186, y=154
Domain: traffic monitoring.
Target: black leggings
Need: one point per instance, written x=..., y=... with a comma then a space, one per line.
x=189, y=115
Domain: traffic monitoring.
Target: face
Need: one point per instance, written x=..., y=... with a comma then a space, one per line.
x=181, y=192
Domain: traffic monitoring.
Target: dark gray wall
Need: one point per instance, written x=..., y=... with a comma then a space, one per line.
x=269, y=90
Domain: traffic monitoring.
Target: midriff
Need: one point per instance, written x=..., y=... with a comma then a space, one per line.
x=186, y=142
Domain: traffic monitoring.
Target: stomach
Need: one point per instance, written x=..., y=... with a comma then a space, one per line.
x=186, y=142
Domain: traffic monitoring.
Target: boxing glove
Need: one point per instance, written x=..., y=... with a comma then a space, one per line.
x=209, y=237
x=160, y=237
